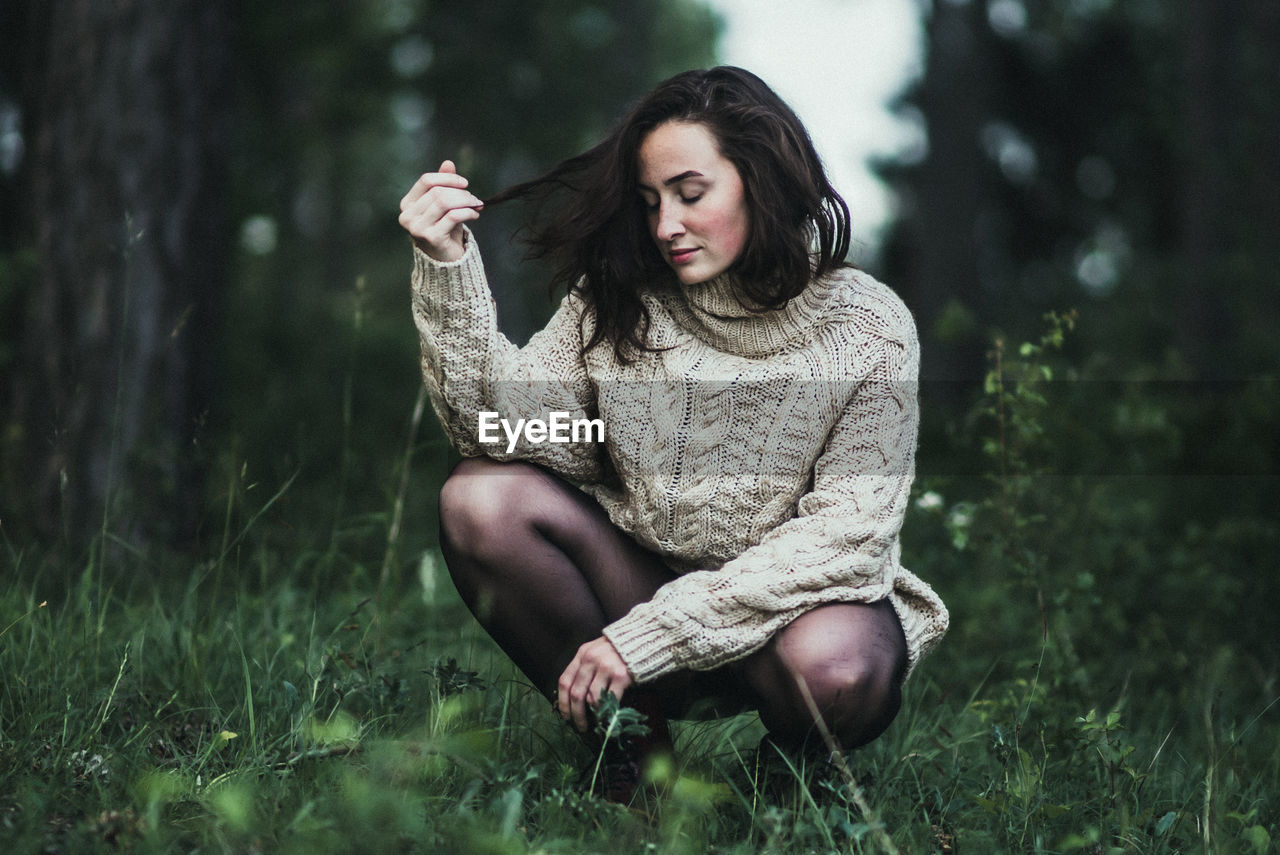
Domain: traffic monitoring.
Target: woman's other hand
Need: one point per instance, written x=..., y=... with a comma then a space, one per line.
x=596, y=667
x=434, y=210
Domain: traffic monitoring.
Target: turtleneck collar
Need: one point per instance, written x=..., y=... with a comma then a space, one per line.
x=712, y=312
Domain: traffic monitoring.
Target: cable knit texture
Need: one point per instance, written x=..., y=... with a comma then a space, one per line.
x=768, y=457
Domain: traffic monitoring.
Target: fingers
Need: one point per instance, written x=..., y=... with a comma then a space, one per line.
x=438, y=202
x=437, y=221
x=574, y=703
x=435, y=208
x=431, y=180
x=579, y=689
x=446, y=176
x=595, y=669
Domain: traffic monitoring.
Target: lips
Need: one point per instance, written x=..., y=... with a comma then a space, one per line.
x=679, y=256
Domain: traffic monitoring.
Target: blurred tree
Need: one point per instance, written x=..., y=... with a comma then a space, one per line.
x=125, y=150
x=935, y=252
x=1116, y=156
x=1228, y=162
x=1119, y=158
x=155, y=133
x=16, y=256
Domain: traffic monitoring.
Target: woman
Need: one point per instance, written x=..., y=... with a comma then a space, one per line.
x=732, y=539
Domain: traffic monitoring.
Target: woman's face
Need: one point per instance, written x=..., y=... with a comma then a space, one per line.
x=697, y=208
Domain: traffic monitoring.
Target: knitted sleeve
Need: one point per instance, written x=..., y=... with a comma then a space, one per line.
x=842, y=545
x=472, y=371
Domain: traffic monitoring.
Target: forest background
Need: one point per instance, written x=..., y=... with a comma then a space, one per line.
x=208, y=379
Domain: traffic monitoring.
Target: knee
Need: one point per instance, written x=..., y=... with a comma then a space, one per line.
x=477, y=502
x=843, y=686
x=856, y=699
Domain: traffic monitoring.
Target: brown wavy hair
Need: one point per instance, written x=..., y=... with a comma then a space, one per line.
x=590, y=219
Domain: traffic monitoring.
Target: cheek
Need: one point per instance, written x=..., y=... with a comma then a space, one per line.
x=731, y=232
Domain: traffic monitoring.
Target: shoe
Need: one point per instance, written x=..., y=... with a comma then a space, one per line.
x=782, y=775
x=617, y=777
x=617, y=772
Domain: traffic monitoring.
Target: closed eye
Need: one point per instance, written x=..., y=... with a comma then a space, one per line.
x=653, y=206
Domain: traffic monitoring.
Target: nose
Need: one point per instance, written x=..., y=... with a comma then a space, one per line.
x=668, y=226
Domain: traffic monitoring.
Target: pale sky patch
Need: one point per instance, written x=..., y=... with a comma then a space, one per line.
x=838, y=63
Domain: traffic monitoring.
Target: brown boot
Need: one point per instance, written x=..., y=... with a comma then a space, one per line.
x=618, y=768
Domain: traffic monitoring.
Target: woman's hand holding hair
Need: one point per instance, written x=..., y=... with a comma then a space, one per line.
x=595, y=668
x=434, y=210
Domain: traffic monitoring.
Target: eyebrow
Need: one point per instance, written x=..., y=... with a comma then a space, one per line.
x=676, y=179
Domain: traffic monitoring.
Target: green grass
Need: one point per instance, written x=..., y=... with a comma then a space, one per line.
x=1106, y=686
x=178, y=710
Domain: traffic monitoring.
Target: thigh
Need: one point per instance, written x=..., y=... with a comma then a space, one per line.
x=534, y=519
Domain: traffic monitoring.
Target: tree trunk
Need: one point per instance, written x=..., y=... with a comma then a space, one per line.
x=948, y=258
x=1201, y=323
x=128, y=146
x=1230, y=178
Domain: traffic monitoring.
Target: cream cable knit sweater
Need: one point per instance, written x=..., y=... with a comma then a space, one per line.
x=768, y=457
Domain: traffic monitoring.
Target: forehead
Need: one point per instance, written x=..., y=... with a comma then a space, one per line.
x=676, y=147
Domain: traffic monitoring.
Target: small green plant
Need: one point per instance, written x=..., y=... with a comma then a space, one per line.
x=614, y=722
x=452, y=680
x=1103, y=736
x=1017, y=405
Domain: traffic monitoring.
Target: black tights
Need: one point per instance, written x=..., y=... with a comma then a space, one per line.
x=544, y=570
